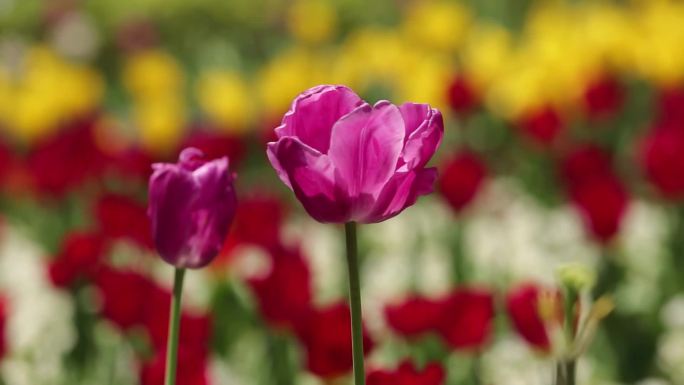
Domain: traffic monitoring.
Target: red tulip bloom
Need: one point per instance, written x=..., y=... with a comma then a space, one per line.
x=663, y=161
x=467, y=318
x=461, y=178
x=414, y=316
x=603, y=204
x=542, y=125
x=217, y=145
x=66, y=160
x=461, y=95
x=80, y=256
x=284, y=294
x=258, y=221
x=603, y=97
x=124, y=296
x=121, y=217
x=523, y=306
x=326, y=336
x=407, y=374
x=585, y=163
x=131, y=163
x=671, y=107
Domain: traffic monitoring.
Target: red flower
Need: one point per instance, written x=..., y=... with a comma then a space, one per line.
x=119, y=216
x=467, y=317
x=542, y=125
x=191, y=369
x=79, y=257
x=124, y=295
x=461, y=179
x=131, y=163
x=216, y=145
x=603, y=203
x=284, y=295
x=66, y=160
x=8, y=163
x=522, y=304
x=414, y=316
x=663, y=161
x=326, y=336
x=407, y=374
x=603, y=97
x=461, y=95
x=195, y=330
x=671, y=106
x=258, y=221
x=584, y=163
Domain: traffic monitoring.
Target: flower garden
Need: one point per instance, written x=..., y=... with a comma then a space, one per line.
x=332, y=192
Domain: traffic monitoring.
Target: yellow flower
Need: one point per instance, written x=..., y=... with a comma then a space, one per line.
x=486, y=53
x=161, y=122
x=608, y=34
x=45, y=92
x=286, y=75
x=437, y=24
x=660, y=33
x=225, y=98
x=371, y=56
x=152, y=73
x=424, y=81
x=312, y=21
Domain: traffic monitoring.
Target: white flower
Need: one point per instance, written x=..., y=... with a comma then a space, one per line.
x=39, y=326
x=511, y=237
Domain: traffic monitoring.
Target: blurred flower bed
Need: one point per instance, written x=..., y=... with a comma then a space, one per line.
x=564, y=144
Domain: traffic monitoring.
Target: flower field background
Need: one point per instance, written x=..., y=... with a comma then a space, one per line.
x=562, y=165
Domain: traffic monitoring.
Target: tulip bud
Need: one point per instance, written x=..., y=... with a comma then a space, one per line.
x=191, y=206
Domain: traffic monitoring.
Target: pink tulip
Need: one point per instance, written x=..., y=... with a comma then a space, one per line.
x=348, y=161
x=192, y=204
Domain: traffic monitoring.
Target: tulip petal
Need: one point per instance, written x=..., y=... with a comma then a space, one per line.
x=314, y=112
x=311, y=177
x=172, y=195
x=212, y=213
x=424, y=130
x=401, y=192
x=365, y=149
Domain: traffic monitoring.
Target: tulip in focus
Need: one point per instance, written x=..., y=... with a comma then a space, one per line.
x=191, y=206
x=348, y=161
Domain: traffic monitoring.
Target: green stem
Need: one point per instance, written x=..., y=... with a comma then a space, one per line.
x=355, y=302
x=174, y=328
x=565, y=370
x=459, y=264
x=476, y=369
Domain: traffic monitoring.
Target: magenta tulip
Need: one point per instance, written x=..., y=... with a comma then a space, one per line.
x=348, y=161
x=191, y=207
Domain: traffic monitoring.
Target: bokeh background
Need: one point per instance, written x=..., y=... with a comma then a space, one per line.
x=564, y=143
